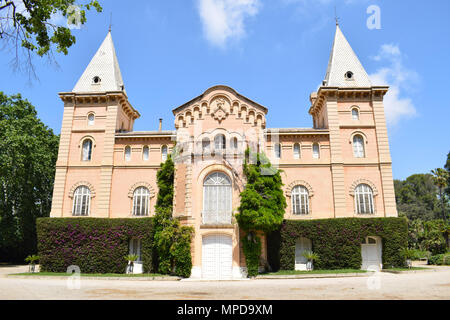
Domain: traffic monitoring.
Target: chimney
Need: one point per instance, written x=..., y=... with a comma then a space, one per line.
x=160, y=124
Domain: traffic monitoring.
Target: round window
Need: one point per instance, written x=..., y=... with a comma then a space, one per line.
x=349, y=75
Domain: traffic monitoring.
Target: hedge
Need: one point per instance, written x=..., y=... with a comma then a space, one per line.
x=440, y=259
x=95, y=245
x=338, y=241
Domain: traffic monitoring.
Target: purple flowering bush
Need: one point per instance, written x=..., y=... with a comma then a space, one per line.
x=95, y=245
x=338, y=241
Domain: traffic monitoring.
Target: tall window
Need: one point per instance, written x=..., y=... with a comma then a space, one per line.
x=364, y=199
x=300, y=200
x=81, y=201
x=164, y=153
x=141, y=198
x=220, y=143
x=277, y=150
x=127, y=153
x=91, y=119
x=234, y=144
x=358, y=146
x=135, y=248
x=145, y=153
x=206, y=146
x=355, y=114
x=316, y=151
x=296, y=151
x=217, y=199
x=87, y=150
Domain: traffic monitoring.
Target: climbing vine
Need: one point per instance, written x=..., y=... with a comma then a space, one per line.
x=172, y=242
x=262, y=205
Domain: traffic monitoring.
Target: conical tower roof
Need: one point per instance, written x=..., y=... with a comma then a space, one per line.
x=344, y=67
x=103, y=72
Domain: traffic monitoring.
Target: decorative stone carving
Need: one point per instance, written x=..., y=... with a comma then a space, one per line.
x=363, y=181
x=79, y=184
x=141, y=184
x=299, y=183
x=220, y=113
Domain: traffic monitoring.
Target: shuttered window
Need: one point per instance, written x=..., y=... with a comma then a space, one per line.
x=141, y=197
x=81, y=201
x=300, y=200
x=358, y=146
x=364, y=199
x=217, y=199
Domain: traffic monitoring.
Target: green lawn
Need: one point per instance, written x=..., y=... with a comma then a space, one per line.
x=292, y=272
x=104, y=275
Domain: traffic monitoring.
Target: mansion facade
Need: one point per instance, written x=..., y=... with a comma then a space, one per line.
x=339, y=168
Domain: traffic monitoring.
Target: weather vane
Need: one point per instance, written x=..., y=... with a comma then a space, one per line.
x=336, y=17
x=110, y=22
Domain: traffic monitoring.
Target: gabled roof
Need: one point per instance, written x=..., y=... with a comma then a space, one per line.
x=342, y=60
x=105, y=66
x=224, y=88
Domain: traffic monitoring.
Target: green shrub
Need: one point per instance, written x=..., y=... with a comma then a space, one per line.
x=252, y=252
x=95, y=245
x=338, y=241
x=440, y=260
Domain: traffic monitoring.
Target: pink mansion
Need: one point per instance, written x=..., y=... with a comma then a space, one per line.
x=341, y=167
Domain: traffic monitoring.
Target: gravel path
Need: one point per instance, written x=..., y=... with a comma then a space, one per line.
x=427, y=284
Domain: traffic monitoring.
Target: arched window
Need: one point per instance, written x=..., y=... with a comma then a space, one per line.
x=206, y=146
x=145, y=153
x=217, y=197
x=355, y=114
x=164, y=153
x=300, y=200
x=87, y=150
x=296, y=151
x=220, y=143
x=277, y=150
x=364, y=199
x=316, y=151
x=141, y=199
x=91, y=119
x=127, y=153
x=234, y=144
x=81, y=201
x=358, y=146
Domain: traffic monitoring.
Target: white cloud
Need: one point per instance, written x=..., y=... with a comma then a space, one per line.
x=399, y=79
x=224, y=20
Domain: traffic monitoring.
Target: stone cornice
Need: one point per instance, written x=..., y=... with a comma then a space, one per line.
x=118, y=97
x=374, y=93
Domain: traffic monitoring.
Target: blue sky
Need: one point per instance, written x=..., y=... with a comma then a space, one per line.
x=274, y=52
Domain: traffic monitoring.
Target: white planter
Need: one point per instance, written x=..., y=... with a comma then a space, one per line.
x=310, y=266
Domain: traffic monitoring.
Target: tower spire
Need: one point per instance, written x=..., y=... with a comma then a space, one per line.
x=344, y=68
x=103, y=72
x=335, y=16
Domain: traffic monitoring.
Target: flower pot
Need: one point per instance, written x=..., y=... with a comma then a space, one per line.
x=310, y=265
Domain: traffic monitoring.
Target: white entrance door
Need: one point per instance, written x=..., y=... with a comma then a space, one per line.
x=301, y=245
x=217, y=257
x=371, y=254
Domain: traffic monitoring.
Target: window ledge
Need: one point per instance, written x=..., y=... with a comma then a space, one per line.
x=217, y=226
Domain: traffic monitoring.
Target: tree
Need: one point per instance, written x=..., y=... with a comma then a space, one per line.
x=447, y=167
x=32, y=26
x=416, y=197
x=262, y=205
x=28, y=153
x=440, y=178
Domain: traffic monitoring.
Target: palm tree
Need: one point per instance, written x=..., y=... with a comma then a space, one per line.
x=440, y=179
x=131, y=258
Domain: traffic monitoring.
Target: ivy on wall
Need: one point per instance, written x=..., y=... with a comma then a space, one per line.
x=338, y=241
x=262, y=205
x=96, y=245
x=172, y=250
